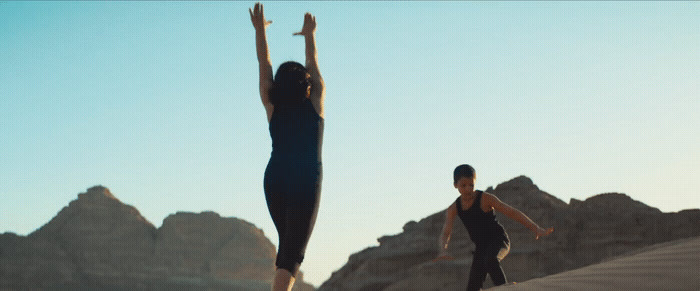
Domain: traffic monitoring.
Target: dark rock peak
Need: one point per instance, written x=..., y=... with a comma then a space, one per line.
x=411, y=225
x=522, y=192
x=610, y=197
x=613, y=200
x=205, y=216
x=99, y=198
x=97, y=242
x=98, y=192
x=210, y=217
x=517, y=183
x=95, y=207
x=202, y=217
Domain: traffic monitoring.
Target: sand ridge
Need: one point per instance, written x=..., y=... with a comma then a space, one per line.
x=669, y=266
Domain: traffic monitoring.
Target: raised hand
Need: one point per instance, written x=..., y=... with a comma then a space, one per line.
x=309, y=25
x=258, y=17
x=543, y=232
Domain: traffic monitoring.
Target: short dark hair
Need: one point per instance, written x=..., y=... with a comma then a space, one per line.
x=291, y=84
x=464, y=171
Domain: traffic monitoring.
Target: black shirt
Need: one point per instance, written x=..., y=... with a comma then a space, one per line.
x=297, y=134
x=482, y=226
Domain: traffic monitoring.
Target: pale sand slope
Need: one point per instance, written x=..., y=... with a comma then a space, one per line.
x=668, y=266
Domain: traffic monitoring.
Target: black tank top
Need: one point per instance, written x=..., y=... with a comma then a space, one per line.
x=297, y=134
x=482, y=226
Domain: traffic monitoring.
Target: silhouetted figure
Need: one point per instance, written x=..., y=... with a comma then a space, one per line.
x=293, y=102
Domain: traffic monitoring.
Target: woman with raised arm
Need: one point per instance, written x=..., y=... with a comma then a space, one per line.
x=293, y=101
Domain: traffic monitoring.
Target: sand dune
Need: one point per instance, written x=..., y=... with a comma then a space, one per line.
x=669, y=266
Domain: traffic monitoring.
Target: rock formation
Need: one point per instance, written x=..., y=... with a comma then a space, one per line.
x=98, y=242
x=585, y=232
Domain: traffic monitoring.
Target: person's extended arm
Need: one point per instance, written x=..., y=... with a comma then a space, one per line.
x=258, y=18
x=446, y=233
x=317, y=94
x=517, y=215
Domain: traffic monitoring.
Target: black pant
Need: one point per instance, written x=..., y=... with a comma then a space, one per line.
x=487, y=260
x=293, y=192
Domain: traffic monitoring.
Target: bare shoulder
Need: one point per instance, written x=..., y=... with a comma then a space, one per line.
x=489, y=201
x=487, y=195
x=452, y=209
x=318, y=107
x=318, y=96
x=266, y=84
x=269, y=109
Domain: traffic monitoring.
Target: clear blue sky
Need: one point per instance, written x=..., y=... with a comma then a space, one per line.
x=158, y=101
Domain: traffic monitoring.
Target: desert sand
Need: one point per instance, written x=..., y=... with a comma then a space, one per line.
x=669, y=266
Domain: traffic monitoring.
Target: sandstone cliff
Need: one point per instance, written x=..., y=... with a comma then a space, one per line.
x=98, y=242
x=586, y=232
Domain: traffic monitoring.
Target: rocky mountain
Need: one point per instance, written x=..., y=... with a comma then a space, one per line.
x=98, y=242
x=585, y=232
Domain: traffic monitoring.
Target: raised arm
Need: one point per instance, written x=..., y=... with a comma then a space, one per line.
x=318, y=90
x=258, y=18
x=491, y=201
x=446, y=233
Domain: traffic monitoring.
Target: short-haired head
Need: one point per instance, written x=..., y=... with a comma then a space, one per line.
x=464, y=171
x=291, y=85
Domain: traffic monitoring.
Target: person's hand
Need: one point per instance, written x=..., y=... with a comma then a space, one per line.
x=258, y=17
x=542, y=232
x=309, y=25
x=443, y=258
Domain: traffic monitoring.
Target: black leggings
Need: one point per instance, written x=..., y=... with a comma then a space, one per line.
x=292, y=195
x=487, y=259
